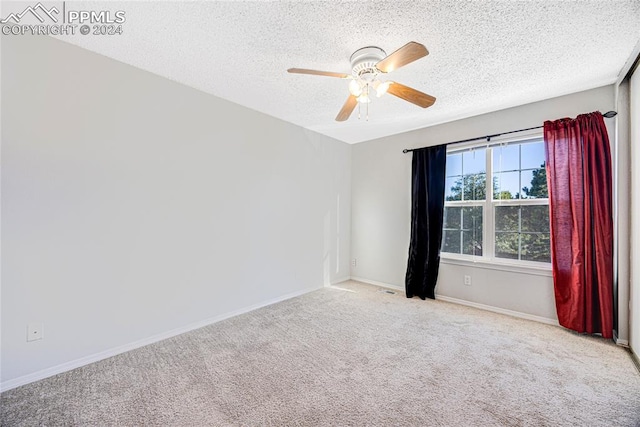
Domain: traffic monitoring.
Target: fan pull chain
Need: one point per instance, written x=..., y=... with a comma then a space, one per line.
x=368, y=102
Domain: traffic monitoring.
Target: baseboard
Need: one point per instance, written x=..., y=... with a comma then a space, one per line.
x=499, y=310
x=77, y=363
x=467, y=303
x=340, y=280
x=635, y=358
x=618, y=341
x=376, y=283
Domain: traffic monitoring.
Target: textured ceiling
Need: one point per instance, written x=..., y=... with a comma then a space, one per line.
x=484, y=55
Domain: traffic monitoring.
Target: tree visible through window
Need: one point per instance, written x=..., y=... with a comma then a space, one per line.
x=505, y=218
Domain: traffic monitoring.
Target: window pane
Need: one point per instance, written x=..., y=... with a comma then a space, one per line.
x=505, y=158
x=451, y=241
x=472, y=230
x=535, y=247
x=506, y=185
x=453, y=188
x=454, y=164
x=532, y=155
x=521, y=232
x=472, y=218
x=471, y=245
x=475, y=187
x=507, y=218
x=534, y=184
x=507, y=245
x=452, y=218
x=535, y=219
x=474, y=161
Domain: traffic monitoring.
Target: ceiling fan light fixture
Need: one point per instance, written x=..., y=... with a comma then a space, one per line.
x=364, y=99
x=381, y=88
x=355, y=88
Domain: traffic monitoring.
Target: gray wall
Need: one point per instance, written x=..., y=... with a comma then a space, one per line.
x=133, y=206
x=622, y=210
x=381, y=208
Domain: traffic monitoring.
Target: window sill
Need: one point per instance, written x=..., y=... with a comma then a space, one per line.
x=538, y=269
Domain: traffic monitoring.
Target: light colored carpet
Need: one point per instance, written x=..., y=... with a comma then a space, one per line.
x=348, y=358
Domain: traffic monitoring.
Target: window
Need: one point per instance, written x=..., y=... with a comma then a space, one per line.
x=505, y=216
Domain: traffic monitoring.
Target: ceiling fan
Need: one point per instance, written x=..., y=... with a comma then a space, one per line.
x=369, y=62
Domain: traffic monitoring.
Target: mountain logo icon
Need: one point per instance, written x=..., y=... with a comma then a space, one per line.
x=34, y=11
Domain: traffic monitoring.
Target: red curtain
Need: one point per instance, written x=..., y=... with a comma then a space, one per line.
x=580, y=206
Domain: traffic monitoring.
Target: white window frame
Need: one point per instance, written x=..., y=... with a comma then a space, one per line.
x=488, y=258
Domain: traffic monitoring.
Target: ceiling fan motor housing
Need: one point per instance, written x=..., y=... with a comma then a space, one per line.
x=364, y=60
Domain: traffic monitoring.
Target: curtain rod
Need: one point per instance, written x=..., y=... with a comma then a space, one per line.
x=608, y=115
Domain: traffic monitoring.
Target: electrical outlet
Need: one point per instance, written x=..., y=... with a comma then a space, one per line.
x=354, y=262
x=467, y=280
x=35, y=331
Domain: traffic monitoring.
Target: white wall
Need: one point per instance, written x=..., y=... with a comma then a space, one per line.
x=634, y=322
x=133, y=206
x=381, y=206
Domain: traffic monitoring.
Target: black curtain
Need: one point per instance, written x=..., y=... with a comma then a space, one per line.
x=427, y=209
